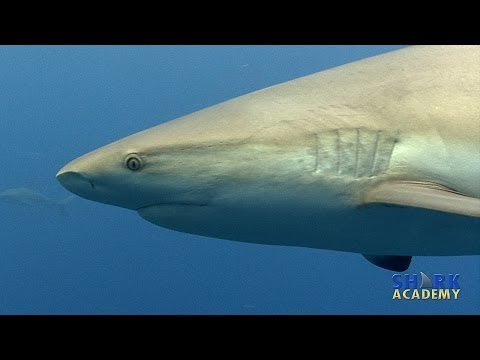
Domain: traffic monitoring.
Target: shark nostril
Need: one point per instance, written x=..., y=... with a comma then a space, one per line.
x=91, y=184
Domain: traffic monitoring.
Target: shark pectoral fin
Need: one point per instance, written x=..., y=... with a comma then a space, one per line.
x=425, y=195
x=394, y=263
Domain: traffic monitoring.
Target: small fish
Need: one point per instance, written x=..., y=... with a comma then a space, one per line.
x=29, y=198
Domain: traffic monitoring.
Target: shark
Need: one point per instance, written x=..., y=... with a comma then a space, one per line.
x=379, y=157
x=30, y=198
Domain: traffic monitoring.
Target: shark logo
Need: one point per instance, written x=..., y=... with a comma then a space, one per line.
x=421, y=287
x=426, y=282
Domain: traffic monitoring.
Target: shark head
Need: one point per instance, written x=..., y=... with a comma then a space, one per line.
x=135, y=174
x=196, y=175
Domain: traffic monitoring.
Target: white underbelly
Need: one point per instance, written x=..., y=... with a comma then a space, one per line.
x=427, y=158
x=290, y=221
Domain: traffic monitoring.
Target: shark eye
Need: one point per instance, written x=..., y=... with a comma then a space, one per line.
x=133, y=162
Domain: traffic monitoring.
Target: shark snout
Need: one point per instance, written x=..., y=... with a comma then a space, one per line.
x=75, y=182
x=83, y=177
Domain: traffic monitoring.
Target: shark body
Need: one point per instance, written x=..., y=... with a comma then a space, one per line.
x=370, y=157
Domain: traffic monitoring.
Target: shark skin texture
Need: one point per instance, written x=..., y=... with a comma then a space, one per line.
x=370, y=157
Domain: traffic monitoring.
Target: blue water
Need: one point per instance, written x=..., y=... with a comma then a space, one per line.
x=58, y=102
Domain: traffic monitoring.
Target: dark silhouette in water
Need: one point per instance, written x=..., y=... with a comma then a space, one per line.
x=30, y=198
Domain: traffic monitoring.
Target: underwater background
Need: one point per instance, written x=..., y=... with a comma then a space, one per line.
x=82, y=257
